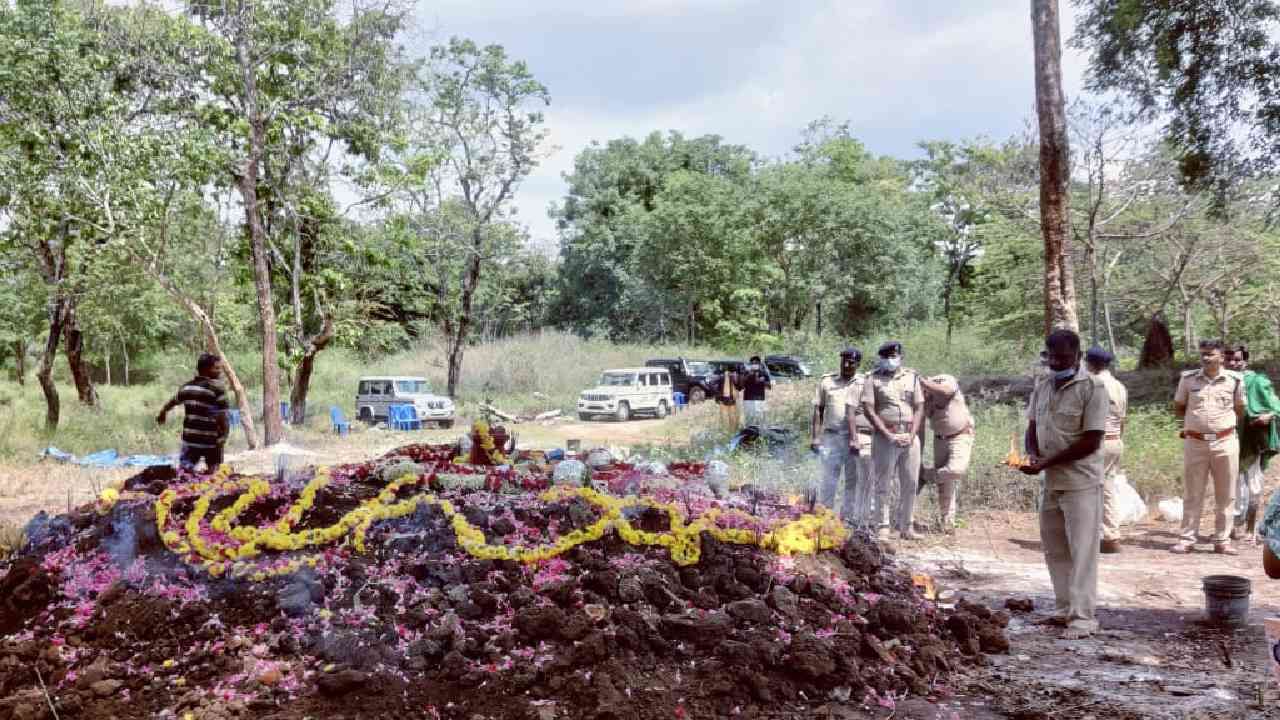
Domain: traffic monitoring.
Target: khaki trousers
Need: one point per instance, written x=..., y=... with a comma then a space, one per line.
x=1069, y=522
x=838, y=461
x=1112, y=450
x=892, y=461
x=951, y=463
x=1202, y=460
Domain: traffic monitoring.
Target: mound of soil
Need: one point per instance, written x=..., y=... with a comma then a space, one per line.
x=97, y=611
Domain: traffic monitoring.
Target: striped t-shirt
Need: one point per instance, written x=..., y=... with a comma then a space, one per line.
x=203, y=401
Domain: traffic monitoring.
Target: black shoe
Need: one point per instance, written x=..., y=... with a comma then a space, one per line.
x=1109, y=547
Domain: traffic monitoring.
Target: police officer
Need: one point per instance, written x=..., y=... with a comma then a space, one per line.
x=842, y=436
x=1067, y=418
x=1098, y=362
x=893, y=403
x=952, y=426
x=1211, y=400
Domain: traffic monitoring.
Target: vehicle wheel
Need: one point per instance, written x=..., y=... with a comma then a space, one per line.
x=697, y=395
x=662, y=409
x=624, y=412
x=584, y=417
x=366, y=416
x=446, y=424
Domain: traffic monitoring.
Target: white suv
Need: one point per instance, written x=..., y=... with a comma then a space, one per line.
x=627, y=391
x=376, y=393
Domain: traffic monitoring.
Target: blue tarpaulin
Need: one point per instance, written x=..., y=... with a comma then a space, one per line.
x=108, y=459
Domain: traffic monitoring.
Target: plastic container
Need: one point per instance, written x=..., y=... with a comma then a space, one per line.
x=1226, y=599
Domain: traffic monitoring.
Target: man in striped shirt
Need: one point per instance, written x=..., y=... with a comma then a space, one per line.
x=204, y=425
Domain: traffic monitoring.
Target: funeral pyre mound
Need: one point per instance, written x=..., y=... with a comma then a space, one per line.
x=416, y=586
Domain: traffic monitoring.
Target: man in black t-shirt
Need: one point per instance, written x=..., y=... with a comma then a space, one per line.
x=204, y=424
x=754, y=382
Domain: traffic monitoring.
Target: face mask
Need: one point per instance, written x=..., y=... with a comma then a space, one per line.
x=890, y=364
x=1067, y=374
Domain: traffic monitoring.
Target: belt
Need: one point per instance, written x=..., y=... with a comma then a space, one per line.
x=1117, y=436
x=954, y=435
x=1209, y=436
x=845, y=431
x=898, y=427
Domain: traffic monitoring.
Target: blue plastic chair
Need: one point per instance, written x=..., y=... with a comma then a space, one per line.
x=403, y=417
x=284, y=411
x=233, y=418
x=340, y=423
x=679, y=399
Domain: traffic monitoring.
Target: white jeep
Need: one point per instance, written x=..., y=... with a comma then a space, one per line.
x=627, y=391
x=376, y=393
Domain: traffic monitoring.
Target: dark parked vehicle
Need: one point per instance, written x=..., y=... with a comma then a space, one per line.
x=786, y=367
x=691, y=377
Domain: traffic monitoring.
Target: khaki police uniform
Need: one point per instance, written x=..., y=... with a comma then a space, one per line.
x=952, y=426
x=1071, y=498
x=1112, y=451
x=895, y=397
x=833, y=400
x=1210, y=448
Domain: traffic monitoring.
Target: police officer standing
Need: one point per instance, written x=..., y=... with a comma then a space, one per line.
x=1211, y=400
x=952, y=427
x=894, y=405
x=1098, y=362
x=838, y=431
x=1067, y=418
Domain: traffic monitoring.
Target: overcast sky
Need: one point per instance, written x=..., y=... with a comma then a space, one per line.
x=757, y=71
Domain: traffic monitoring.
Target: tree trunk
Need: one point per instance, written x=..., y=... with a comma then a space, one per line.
x=1091, y=263
x=458, y=344
x=1188, y=328
x=107, y=363
x=946, y=310
x=74, y=339
x=302, y=380
x=44, y=374
x=1055, y=222
x=20, y=361
x=124, y=348
x=273, y=424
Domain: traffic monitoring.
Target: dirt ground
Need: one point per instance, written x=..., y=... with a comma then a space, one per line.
x=1154, y=658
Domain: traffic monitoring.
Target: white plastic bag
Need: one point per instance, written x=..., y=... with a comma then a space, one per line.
x=1132, y=508
x=1170, y=510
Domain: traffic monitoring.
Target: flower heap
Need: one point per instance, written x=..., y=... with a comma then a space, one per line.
x=222, y=546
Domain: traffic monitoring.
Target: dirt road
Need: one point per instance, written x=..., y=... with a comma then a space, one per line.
x=1153, y=659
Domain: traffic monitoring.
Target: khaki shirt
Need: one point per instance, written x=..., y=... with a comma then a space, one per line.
x=833, y=398
x=948, y=414
x=1062, y=416
x=895, y=397
x=1211, y=404
x=1119, y=408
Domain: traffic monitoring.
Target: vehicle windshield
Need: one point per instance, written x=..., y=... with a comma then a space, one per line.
x=618, y=379
x=412, y=387
x=698, y=367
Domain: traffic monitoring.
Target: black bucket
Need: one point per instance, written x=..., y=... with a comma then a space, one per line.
x=1226, y=599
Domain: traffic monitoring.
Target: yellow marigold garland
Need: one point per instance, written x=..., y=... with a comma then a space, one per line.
x=809, y=533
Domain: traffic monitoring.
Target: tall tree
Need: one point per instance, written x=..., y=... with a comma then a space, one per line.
x=60, y=84
x=1055, y=169
x=274, y=69
x=600, y=221
x=482, y=123
x=1208, y=69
